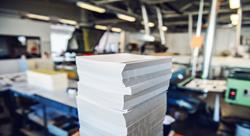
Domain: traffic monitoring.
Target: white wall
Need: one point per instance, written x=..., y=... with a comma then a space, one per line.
x=224, y=40
x=245, y=31
x=17, y=26
x=178, y=43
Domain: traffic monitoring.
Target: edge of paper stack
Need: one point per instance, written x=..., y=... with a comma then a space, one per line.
x=122, y=94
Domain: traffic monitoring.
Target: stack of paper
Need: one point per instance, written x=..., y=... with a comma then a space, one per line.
x=48, y=79
x=122, y=94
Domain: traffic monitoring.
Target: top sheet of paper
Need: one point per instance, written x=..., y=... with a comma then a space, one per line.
x=127, y=64
x=122, y=70
x=121, y=58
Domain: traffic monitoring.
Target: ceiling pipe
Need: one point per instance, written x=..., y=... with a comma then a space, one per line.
x=199, y=21
x=244, y=9
x=107, y=2
x=157, y=1
x=160, y=26
x=187, y=6
x=145, y=20
x=209, y=42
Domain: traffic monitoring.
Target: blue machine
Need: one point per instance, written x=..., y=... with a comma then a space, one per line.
x=177, y=97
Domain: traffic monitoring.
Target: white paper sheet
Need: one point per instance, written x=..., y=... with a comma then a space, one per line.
x=122, y=94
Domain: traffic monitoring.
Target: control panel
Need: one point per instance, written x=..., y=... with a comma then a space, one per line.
x=232, y=94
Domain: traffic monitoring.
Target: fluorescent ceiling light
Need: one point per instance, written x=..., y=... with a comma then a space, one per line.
x=115, y=29
x=164, y=28
x=38, y=17
x=67, y=21
x=101, y=27
x=90, y=7
x=150, y=24
x=234, y=4
x=234, y=19
x=126, y=17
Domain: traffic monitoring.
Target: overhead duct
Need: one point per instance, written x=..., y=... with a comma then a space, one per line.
x=160, y=26
x=145, y=20
x=156, y=1
x=210, y=39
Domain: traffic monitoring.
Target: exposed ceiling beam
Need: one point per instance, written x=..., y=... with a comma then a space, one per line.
x=106, y=2
x=156, y=1
x=246, y=8
x=108, y=21
x=122, y=11
x=115, y=9
x=185, y=7
x=246, y=18
x=50, y=8
x=205, y=3
x=167, y=12
x=170, y=6
x=222, y=19
x=245, y=22
x=176, y=23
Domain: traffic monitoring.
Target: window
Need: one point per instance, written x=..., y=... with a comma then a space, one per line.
x=60, y=34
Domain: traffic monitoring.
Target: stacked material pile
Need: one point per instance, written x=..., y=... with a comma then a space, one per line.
x=48, y=79
x=122, y=94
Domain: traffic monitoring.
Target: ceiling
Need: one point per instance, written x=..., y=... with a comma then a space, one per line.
x=175, y=12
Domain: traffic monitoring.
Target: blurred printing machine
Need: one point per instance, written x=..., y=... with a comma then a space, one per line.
x=238, y=89
x=176, y=97
x=188, y=96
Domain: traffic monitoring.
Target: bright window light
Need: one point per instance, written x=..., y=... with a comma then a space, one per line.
x=59, y=37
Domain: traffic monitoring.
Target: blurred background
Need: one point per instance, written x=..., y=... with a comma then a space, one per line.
x=209, y=41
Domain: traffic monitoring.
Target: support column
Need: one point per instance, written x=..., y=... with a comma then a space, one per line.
x=238, y=31
x=190, y=28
